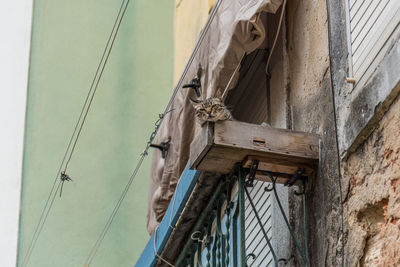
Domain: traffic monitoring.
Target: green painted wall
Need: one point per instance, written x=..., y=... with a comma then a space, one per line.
x=67, y=41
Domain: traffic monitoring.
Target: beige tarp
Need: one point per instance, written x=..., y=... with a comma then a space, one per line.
x=236, y=30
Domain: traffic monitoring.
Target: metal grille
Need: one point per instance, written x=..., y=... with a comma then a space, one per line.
x=257, y=250
x=235, y=229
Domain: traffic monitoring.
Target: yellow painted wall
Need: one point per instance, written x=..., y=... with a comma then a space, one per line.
x=190, y=17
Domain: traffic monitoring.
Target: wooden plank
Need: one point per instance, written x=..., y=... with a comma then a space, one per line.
x=223, y=159
x=266, y=139
x=201, y=144
x=266, y=164
x=280, y=180
x=234, y=142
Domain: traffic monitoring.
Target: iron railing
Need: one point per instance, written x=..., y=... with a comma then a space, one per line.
x=235, y=227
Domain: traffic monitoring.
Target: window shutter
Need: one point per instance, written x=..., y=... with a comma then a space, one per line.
x=255, y=240
x=371, y=24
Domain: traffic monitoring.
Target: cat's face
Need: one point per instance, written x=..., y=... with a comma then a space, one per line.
x=210, y=109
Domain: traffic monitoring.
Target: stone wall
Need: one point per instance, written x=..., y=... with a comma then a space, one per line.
x=368, y=138
x=372, y=203
x=308, y=72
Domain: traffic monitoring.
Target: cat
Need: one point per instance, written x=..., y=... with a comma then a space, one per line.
x=210, y=109
x=213, y=109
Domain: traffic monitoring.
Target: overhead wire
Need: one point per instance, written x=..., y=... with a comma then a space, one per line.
x=100, y=239
x=40, y=225
x=276, y=36
x=100, y=75
x=158, y=123
x=50, y=199
x=95, y=248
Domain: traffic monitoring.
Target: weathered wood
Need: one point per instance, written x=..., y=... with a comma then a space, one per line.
x=276, y=141
x=277, y=165
x=221, y=145
x=201, y=144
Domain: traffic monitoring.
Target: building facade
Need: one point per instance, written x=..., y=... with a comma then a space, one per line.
x=332, y=72
x=68, y=39
x=319, y=69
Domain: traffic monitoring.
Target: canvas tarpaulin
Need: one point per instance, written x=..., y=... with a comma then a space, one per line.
x=234, y=31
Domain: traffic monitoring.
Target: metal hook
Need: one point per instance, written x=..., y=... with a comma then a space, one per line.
x=294, y=178
x=302, y=192
x=273, y=181
x=249, y=182
x=268, y=189
x=163, y=146
x=251, y=255
x=285, y=261
x=194, y=84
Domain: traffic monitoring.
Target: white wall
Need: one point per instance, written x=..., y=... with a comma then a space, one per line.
x=15, y=29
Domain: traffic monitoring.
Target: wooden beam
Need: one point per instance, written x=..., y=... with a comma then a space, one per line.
x=277, y=165
x=201, y=144
x=219, y=146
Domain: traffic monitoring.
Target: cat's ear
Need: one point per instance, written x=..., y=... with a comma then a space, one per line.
x=218, y=93
x=194, y=101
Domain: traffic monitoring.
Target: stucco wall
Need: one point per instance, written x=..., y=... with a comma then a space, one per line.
x=189, y=19
x=310, y=109
x=68, y=39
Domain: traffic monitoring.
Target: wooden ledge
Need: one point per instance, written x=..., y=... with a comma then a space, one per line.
x=219, y=146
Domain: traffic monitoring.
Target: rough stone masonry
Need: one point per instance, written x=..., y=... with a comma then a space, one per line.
x=372, y=200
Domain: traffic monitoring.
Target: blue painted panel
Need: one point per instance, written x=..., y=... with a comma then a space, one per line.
x=178, y=202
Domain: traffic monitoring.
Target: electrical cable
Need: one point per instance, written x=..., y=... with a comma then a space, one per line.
x=276, y=36
x=95, y=248
x=158, y=123
x=39, y=227
x=48, y=205
x=100, y=75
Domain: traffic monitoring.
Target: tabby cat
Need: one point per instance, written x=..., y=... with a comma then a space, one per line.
x=210, y=109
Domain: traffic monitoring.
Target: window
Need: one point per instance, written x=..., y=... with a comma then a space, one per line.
x=372, y=28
